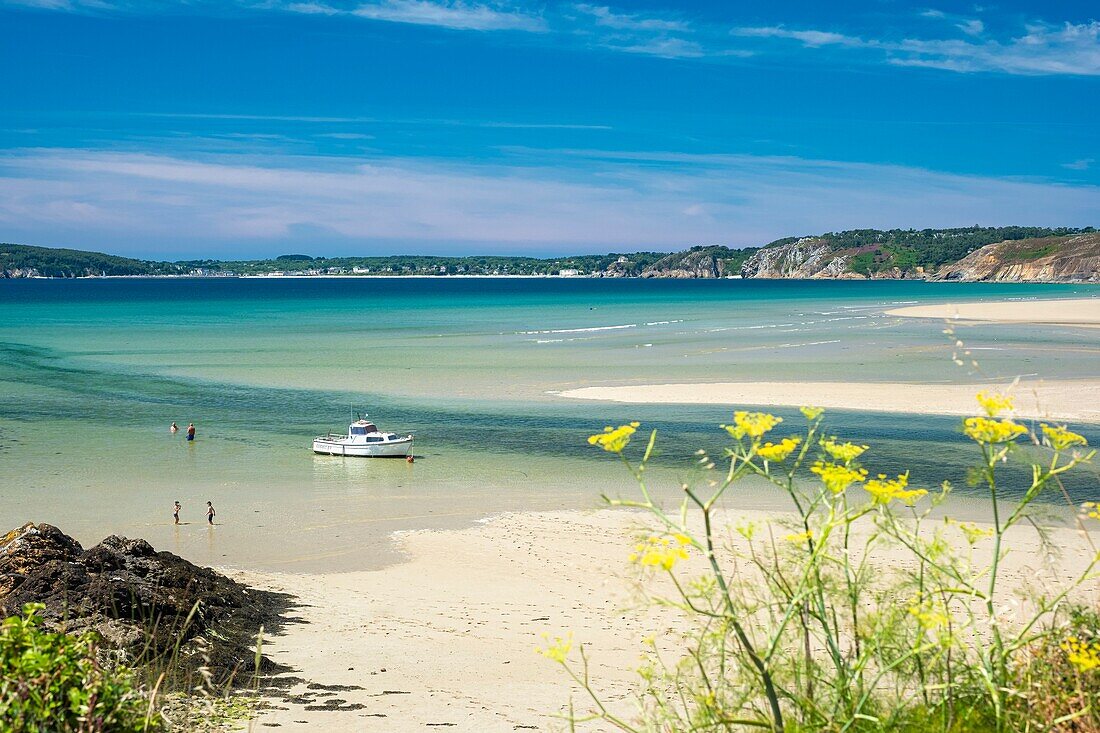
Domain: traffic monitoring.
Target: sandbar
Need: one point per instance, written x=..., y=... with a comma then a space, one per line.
x=1068, y=312
x=1072, y=400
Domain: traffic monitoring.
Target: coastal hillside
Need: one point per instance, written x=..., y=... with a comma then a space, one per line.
x=901, y=253
x=972, y=253
x=1046, y=259
x=20, y=260
x=700, y=262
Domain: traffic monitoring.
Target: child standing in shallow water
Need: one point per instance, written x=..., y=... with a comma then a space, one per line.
x=176, y=512
x=210, y=512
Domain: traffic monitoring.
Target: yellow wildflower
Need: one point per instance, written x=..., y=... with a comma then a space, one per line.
x=1059, y=438
x=752, y=424
x=778, y=452
x=613, y=440
x=837, y=478
x=884, y=490
x=986, y=430
x=996, y=403
x=972, y=531
x=660, y=552
x=559, y=649
x=1091, y=509
x=1083, y=655
x=929, y=615
x=800, y=537
x=812, y=413
x=844, y=452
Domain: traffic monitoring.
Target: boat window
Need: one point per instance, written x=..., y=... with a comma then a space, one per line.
x=374, y=439
x=391, y=436
x=358, y=431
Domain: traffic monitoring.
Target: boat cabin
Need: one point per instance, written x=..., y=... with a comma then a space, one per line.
x=362, y=427
x=364, y=431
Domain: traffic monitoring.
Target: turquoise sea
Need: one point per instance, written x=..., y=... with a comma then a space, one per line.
x=92, y=372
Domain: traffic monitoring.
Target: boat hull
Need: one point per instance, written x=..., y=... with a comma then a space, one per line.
x=390, y=449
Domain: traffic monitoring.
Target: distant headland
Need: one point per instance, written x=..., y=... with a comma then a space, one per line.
x=1019, y=254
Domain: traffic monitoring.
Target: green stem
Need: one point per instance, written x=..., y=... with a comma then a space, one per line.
x=738, y=630
x=998, y=669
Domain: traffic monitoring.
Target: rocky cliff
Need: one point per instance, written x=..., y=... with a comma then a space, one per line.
x=949, y=254
x=14, y=272
x=804, y=258
x=699, y=262
x=1048, y=259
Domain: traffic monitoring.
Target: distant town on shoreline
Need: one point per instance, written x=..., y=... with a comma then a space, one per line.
x=962, y=254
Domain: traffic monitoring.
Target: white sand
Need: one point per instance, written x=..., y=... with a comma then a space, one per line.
x=447, y=639
x=1068, y=400
x=1070, y=312
x=1072, y=400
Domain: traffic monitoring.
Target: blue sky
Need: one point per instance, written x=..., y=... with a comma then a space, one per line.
x=257, y=127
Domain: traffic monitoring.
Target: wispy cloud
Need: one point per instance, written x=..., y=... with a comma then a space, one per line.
x=1042, y=49
x=650, y=34
x=345, y=136
x=307, y=119
x=963, y=44
x=492, y=15
x=605, y=16
x=452, y=14
x=1081, y=164
x=68, y=6
x=542, y=126
x=808, y=38
x=669, y=48
x=599, y=26
x=971, y=27
x=560, y=200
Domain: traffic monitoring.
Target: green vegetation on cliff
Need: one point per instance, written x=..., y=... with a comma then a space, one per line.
x=20, y=260
x=876, y=250
x=702, y=261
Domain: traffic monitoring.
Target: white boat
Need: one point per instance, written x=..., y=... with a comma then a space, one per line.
x=364, y=439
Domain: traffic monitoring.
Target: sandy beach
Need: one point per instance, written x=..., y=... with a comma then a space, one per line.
x=447, y=638
x=1066, y=400
x=1069, y=312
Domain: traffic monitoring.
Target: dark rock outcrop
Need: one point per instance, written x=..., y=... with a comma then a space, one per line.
x=147, y=606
